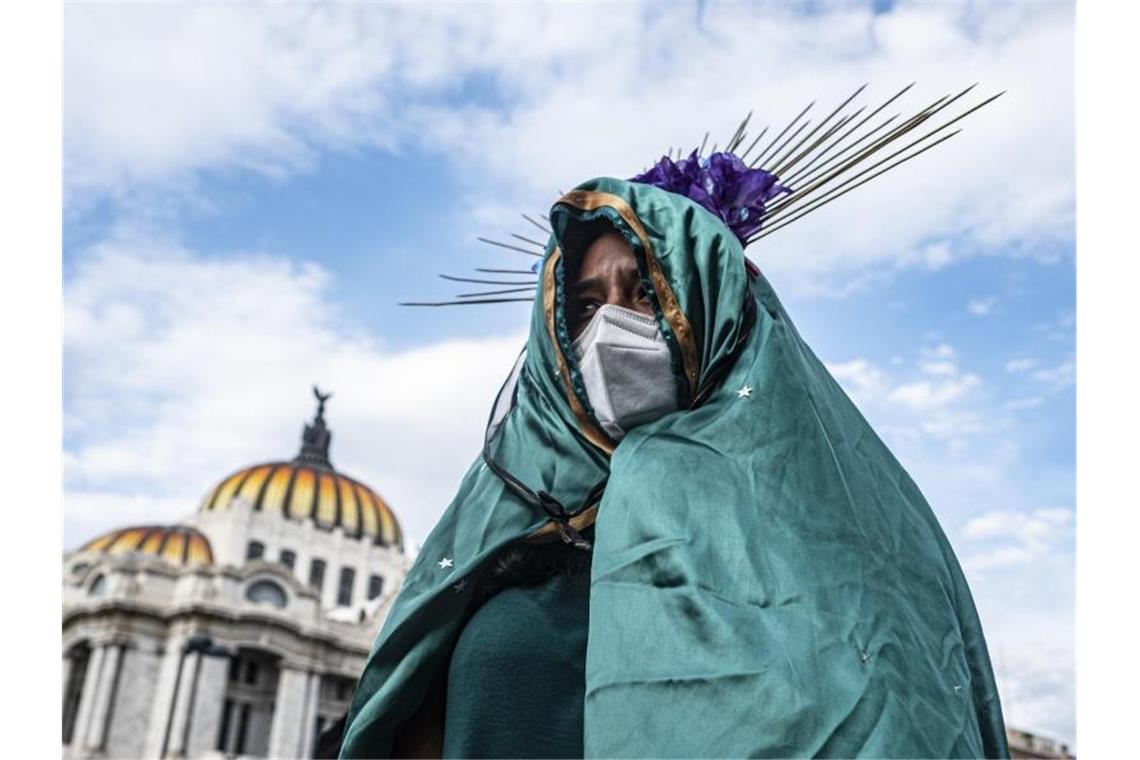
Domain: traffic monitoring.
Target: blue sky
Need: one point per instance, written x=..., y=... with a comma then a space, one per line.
x=244, y=210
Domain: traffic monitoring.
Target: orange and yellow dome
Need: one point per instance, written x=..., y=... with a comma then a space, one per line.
x=309, y=488
x=178, y=544
x=298, y=490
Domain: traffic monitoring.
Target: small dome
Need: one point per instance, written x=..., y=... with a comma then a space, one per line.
x=178, y=544
x=309, y=488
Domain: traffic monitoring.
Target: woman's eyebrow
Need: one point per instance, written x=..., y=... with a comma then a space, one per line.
x=584, y=285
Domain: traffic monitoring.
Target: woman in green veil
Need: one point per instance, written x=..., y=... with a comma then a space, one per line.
x=682, y=538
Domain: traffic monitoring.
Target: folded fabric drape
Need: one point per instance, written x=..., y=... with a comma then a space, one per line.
x=767, y=580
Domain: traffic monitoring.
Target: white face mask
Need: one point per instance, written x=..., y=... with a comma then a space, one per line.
x=627, y=369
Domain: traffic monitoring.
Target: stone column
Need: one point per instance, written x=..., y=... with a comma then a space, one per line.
x=67, y=665
x=286, y=732
x=309, y=727
x=176, y=739
x=206, y=712
x=87, y=698
x=160, y=714
x=133, y=699
x=96, y=732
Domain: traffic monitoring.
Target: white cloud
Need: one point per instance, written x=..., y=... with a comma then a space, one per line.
x=938, y=361
x=981, y=307
x=1016, y=537
x=931, y=403
x=926, y=403
x=181, y=368
x=1034, y=662
x=936, y=256
x=1028, y=528
x=1059, y=377
x=924, y=395
x=929, y=396
x=90, y=513
x=521, y=103
x=1020, y=365
x=939, y=368
x=1020, y=563
x=862, y=380
x=1027, y=402
x=941, y=351
x=157, y=92
x=1061, y=328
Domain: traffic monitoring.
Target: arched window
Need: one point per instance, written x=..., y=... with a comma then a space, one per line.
x=317, y=574
x=254, y=550
x=344, y=589
x=375, y=586
x=98, y=586
x=79, y=567
x=288, y=558
x=266, y=591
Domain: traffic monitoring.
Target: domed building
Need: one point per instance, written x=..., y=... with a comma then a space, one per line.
x=239, y=631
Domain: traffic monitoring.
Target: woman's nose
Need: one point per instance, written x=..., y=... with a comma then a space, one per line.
x=622, y=299
x=618, y=298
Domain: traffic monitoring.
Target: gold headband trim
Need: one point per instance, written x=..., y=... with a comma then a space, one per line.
x=591, y=431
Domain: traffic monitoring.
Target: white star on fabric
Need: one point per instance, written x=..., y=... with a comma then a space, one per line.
x=745, y=392
x=458, y=587
x=445, y=562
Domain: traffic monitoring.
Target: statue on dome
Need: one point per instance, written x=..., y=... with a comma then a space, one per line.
x=316, y=437
x=321, y=399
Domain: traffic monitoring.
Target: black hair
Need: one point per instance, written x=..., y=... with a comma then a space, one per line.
x=577, y=239
x=525, y=564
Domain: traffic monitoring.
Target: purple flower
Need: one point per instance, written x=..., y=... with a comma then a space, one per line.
x=722, y=183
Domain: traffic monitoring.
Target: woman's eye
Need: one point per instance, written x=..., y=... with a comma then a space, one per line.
x=642, y=295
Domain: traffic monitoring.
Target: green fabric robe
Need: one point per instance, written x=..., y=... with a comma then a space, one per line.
x=517, y=679
x=767, y=580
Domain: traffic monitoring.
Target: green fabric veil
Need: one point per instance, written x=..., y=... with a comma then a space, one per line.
x=767, y=580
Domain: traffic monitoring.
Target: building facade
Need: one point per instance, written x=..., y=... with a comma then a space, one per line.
x=1024, y=745
x=239, y=631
